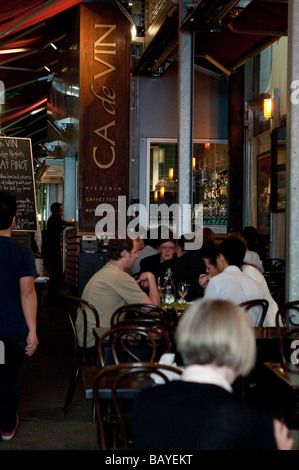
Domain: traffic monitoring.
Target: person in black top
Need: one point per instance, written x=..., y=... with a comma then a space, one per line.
x=199, y=411
x=158, y=263
x=17, y=314
x=187, y=267
x=55, y=227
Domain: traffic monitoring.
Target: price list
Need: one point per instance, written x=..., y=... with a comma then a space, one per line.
x=16, y=177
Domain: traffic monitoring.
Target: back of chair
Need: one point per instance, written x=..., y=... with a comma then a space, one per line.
x=139, y=311
x=288, y=314
x=76, y=306
x=123, y=376
x=274, y=265
x=132, y=343
x=289, y=349
x=263, y=303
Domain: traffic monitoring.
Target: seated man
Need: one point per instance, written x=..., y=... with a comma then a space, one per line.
x=210, y=260
x=112, y=287
x=231, y=284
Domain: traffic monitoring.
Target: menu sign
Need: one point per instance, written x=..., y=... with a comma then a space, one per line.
x=16, y=177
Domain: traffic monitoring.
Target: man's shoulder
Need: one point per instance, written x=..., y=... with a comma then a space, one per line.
x=7, y=242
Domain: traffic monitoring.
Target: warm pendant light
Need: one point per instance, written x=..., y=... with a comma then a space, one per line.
x=268, y=108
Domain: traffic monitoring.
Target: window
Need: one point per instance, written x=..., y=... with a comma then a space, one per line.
x=210, y=180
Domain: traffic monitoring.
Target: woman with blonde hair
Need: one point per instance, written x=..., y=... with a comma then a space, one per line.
x=200, y=411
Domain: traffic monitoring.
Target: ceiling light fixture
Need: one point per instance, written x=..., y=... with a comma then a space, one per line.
x=14, y=51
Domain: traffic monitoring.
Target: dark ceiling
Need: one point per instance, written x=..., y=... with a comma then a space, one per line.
x=28, y=63
x=227, y=34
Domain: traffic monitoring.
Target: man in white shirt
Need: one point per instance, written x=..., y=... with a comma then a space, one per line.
x=231, y=284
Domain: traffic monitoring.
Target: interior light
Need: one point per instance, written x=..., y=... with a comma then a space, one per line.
x=170, y=174
x=162, y=190
x=53, y=45
x=193, y=163
x=13, y=51
x=47, y=68
x=155, y=195
x=268, y=108
x=207, y=145
x=133, y=31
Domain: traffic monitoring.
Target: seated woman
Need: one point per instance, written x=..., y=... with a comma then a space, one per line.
x=158, y=263
x=199, y=411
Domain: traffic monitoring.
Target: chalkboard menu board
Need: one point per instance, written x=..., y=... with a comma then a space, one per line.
x=16, y=177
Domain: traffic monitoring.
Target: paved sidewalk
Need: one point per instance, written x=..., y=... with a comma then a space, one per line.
x=44, y=382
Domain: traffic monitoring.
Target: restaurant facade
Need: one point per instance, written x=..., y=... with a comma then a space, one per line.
x=174, y=115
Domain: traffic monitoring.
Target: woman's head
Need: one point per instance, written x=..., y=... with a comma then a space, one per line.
x=217, y=332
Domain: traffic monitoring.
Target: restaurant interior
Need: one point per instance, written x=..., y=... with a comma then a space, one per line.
x=172, y=112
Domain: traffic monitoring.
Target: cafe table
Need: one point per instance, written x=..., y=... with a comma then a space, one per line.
x=289, y=376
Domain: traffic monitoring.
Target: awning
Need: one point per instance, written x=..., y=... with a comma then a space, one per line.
x=227, y=34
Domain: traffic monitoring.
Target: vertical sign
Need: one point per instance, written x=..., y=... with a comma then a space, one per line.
x=17, y=178
x=104, y=110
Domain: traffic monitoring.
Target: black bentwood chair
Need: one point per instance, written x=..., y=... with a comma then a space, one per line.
x=76, y=306
x=137, y=312
x=123, y=381
x=263, y=303
x=288, y=315
x=135, y=343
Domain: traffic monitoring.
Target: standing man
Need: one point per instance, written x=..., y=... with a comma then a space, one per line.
x=18, y=308
x=112, y=286
x=55, y=227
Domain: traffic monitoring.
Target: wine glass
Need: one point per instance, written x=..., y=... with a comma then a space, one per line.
x=183, y=290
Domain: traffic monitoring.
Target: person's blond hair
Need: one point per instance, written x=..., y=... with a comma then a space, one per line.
x=217, y=332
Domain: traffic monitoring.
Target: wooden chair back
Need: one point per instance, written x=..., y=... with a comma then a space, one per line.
x=263, y=303
x=113, y=424
x=76, y=306
x=288, y=315
x=133, y=343
x=139, y=311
